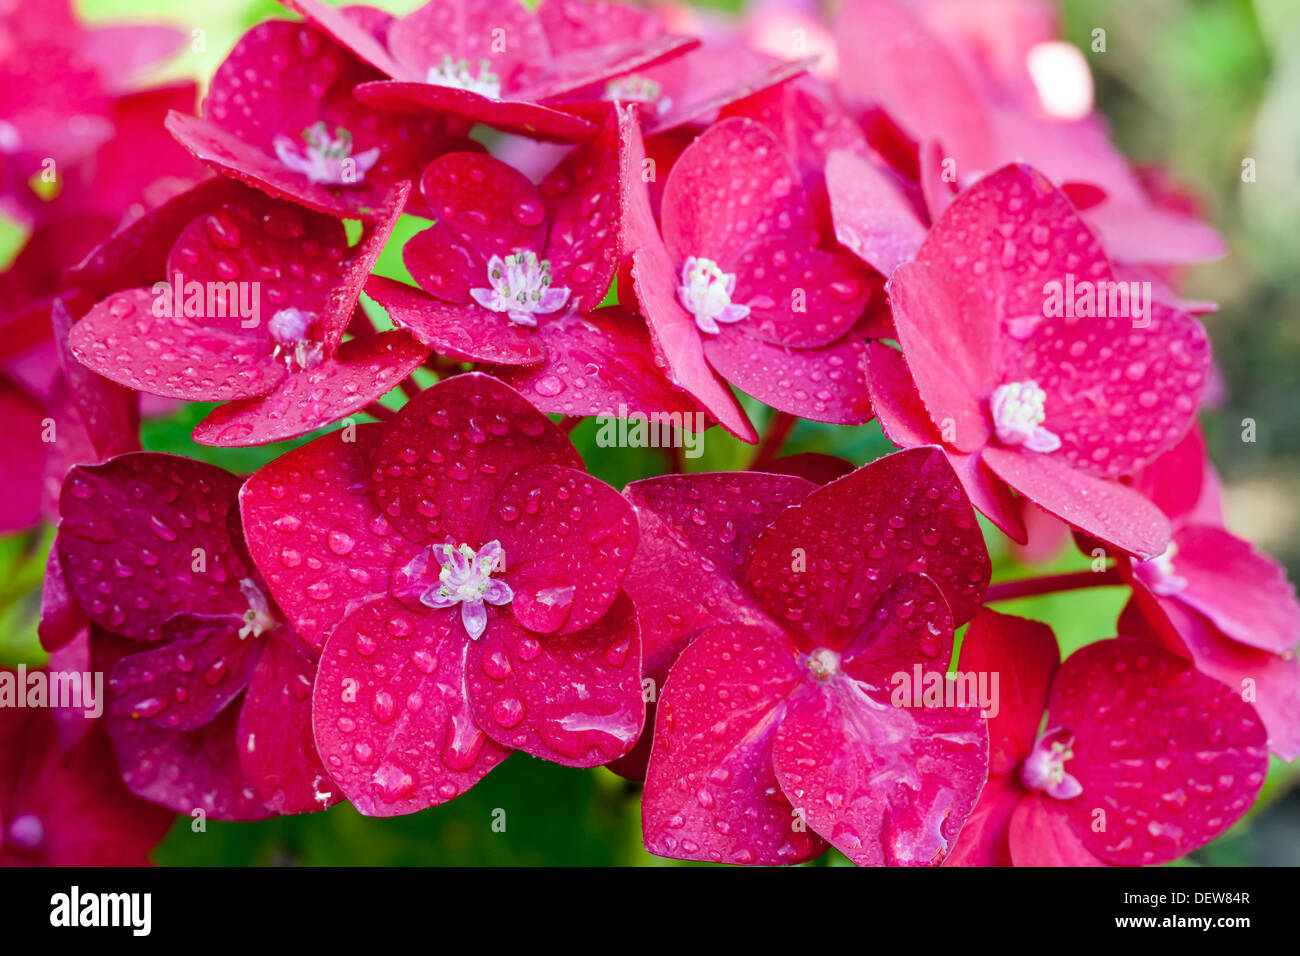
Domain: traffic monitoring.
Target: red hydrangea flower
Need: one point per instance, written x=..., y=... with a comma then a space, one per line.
x=1052, y=402
x=679, y=90
x=776, y=718
x=515, y=273
x=210, y=690
x=496, y=61
x=1214, y=598
x=979, y=86
x=464, y=576
x=284, y=369
x=1142, y=758
x=280, y=115
x=67, y=807
x=64, y=91
x=739, y=284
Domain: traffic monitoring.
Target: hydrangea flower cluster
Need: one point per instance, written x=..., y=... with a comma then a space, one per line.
x=655, y=220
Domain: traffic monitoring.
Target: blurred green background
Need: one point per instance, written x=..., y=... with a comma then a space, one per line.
x=1194, y=85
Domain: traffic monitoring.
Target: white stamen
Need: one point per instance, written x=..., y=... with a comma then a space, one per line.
x=326, y=160
x=466, y=579
x=290, y=330
x=456, y=74
x=258, y=619
x=706, y=293
x=1018, y=413
x=1044, y=768
x=1160, y=574
x=521, y=288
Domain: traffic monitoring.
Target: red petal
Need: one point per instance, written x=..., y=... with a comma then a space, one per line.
x=678, y=347
x=319, y=542
x=1172, y=757
x=469, y=30
x=351, y=29
x=1040, y=833
x=282, y=78
x=132, y=533
x=823, y=384
x=711, y=792
x=251, y=165
x=823, y=565
x=573, y=698
x=584, y=205
x=484, y=208
x=184, y=684
x=89, y=817
x=568, y=541
x=731, y=186
x=1270, y=682
x=600, y=364
x=360, y=372
x=1115, y=413
x=1244, y=593
x=511, y=116
x=950, y=350
x=984, y=839
x=838, y=744
x=1025, y=654
x=173, y=356
x=451, y=448
x=198, y=770
x=274, y=740
x=1114, y=513
x=873, y=216
x=467, y=331
x=393, y=723
x=888, y=56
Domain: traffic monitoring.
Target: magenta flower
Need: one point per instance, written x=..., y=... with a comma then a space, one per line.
x=67, y=807
x=280, y=115
x=1056, y=400
x=210, y=689
x=981, y=88
x=1141, y=759
x=64, y=93
x=739, y=284
x=776, y=729
x=496, y=61
x=1214, y=598
x=516, y=272
x=252, y=309
x=464, y=576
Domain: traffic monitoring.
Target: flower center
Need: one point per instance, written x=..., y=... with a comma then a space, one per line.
x=521, y=288
x=26, y=833
x=1044, y=768
x=1159, y=573
x=1018, y=413
x=258, y=619
x=466, y=579
x=706, y=293
x=290, y=330
x=326, y=159
x=637, y=89
x=823, y=663
x=456, y=74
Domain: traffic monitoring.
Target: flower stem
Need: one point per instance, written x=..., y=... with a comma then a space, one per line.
x=379, y=411
x=1051, y=584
